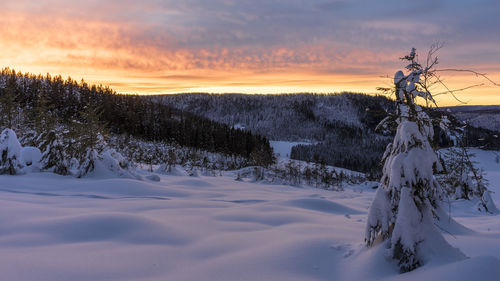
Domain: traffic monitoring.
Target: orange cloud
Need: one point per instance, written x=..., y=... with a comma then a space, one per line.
x=143, y=59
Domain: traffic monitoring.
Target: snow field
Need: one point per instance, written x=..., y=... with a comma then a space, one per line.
x=214, y=228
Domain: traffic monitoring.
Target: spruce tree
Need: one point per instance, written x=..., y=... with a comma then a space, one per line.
x=50, y=137
x=54, y=145
x=89, y=136
x=402, y=210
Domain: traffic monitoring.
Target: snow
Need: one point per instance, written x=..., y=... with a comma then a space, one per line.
x=239, y=126
x=31, y=156
x=10, y=143
x=284, y=148
x=215, y=228
x=10, y=149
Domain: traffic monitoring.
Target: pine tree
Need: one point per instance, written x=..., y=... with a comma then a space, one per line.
x=402, y=210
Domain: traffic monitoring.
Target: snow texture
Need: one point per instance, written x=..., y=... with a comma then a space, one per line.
x=216, y=229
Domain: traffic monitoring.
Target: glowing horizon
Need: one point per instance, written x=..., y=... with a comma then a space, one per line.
x=261, y=47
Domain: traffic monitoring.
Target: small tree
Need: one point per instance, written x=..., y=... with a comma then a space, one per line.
x=402, y=211
x=462, y=179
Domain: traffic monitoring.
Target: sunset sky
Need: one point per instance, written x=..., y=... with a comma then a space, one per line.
x=250, y=46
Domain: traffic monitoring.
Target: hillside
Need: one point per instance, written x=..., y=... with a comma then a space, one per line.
x=33, y=105
x=487, y=116
x=341, y=126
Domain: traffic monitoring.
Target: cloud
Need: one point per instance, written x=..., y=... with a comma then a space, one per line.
x=241, y=42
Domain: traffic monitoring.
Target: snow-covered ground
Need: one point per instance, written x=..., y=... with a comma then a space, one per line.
x=284, y=148
x=214, y=228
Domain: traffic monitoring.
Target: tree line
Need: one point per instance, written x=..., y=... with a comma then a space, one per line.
x=29, y=101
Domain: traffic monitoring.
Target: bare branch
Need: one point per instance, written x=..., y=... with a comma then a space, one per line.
x=448, y=90
x=469, y=71
x=459, y=90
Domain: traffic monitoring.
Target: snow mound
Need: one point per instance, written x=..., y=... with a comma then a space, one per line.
x=153, y=177
x=173, y=170
x=110, y=164
x=276, y=219
x=31, y=156
x=483, y=268
x=448, y=225
x=376, y=264
x=125, y=228
x=322, y=205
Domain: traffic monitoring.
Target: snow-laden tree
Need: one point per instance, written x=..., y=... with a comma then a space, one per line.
x=10, y=153
x=54, y=145
x=89, y=153
x=402, y=211
x=89, y=138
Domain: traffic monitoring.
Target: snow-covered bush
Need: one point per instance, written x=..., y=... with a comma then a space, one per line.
x=108, y=163
x=10, y=153
x=402, y=211
x=30, y=157
x=116, y=163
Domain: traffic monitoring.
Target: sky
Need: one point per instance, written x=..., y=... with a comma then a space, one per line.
x=251, y=46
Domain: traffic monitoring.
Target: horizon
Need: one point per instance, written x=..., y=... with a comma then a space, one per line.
x=263, y=47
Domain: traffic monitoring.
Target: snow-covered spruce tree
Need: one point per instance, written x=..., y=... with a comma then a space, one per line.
x=89, y=136
x=50, y=137
x=54, y=145
x=10, y=153
x=169, y=160
x=402, y=211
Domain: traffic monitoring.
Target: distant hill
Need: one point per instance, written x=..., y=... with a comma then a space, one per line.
x=483, y=116
x=341, y=126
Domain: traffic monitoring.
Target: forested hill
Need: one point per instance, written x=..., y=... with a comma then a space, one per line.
x=486, y=116
x=292, y=117
x=341, y=126
x=24, y=96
